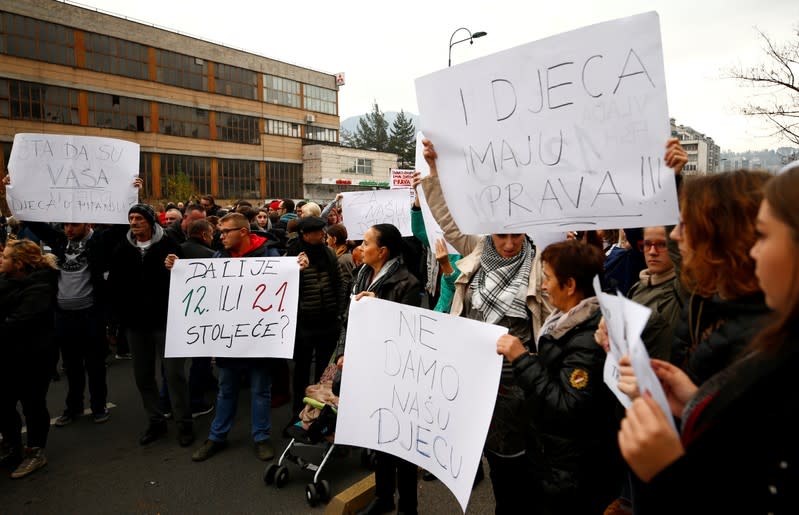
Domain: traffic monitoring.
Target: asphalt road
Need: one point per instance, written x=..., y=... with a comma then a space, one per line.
x=101, y=469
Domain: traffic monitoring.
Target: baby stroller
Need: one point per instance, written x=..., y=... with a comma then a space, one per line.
x=315, y=429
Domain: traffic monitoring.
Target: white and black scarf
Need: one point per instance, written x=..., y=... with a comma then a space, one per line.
x=499, y=282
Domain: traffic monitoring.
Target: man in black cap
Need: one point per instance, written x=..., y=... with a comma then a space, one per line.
x=140, y=285
x=321, y=298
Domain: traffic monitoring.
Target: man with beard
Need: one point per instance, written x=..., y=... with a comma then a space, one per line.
x=321, y=298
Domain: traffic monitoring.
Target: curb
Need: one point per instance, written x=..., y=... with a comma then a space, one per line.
x=354, y=498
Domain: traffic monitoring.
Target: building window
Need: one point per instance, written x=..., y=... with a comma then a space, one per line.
x=181, y=70
x=278, y=90
x=235, y=81
x=116, y=56
x=359, y=166
x=319, y=99
x=38, y=40
x=30, y=101
x=146, y=174
x=239, y=179
x=284, y=180
x=321, y=134
x=198, y=169
x=237, y=128
x=281, y=128
x=115, y=112
x=183, y=121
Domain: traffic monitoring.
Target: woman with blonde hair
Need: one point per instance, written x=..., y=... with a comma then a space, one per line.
x=28, y=286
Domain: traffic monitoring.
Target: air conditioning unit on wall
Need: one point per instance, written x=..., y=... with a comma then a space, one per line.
x=309, y=118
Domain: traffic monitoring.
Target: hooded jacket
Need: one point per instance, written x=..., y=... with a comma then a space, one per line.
x=139, y=281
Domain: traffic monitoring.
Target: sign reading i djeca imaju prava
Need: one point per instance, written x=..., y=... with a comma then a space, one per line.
x=565, y=133
x=62, y=178
x=233, y=307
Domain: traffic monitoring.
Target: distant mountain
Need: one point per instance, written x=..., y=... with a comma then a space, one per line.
x=351, y=123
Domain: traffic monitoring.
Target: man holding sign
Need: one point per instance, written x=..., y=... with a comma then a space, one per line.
x=239, y=242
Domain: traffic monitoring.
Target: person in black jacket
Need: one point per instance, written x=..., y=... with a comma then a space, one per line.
x=140, y=283
x=28, y=286
x=737, y=451
x=240, y=242
x=574, y=462
x=321, y=295
x=385, y=276
x=80, y=317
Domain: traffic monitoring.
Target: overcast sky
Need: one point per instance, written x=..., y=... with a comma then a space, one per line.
x=383, y=46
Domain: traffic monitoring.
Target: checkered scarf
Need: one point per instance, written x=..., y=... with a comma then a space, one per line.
x=499, y=281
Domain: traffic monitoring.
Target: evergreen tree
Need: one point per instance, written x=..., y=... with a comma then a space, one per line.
x=402, y=140
x=372, y=131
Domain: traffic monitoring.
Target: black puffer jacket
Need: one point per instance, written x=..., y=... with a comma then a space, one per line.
x=401, y=287
x=27, y=305
x=572, y=432
x=321, y=288
x=712, y=332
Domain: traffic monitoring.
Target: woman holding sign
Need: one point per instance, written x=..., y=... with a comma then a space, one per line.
x=737, y=451
x=385, y=276
x=500, y=283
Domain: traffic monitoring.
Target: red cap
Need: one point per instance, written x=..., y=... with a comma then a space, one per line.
x=274, y=204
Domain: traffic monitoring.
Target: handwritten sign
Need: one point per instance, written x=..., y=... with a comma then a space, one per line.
x=401, y=179
x=233, y=307
x=610, y=305
x=420, y=385
x=433, y=230
x=363, y=209
x=564, y=133
x=72, y=178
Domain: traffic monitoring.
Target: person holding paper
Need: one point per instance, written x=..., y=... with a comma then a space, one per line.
x=239, y=242
x=737, y=449
x=574, y=463
x=385, y=276
x=500, y=283
x=726, y=307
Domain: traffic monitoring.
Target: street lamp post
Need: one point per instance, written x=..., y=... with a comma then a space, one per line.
x=470, y=39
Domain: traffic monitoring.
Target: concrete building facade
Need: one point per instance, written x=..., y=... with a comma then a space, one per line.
x=704, y=156
x=234, y=122
x=332, y=169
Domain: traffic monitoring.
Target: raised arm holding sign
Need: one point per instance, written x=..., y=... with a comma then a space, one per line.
x=80, y=179
x=566, y=132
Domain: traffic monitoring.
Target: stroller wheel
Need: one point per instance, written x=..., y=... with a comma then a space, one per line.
x=281, y=476
x=311, y=495
x=323, y=487
x=269, y=474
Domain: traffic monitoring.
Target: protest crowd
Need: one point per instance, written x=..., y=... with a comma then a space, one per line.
x=721, y=284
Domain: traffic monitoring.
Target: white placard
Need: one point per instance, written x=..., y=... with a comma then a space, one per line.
x=420, y=385
x=401, y=179
x=635, y=319
x=610, y=305
x=431, y=227
x=233, y=307
x=62, y=178
x=363, y=209
x=566, y=133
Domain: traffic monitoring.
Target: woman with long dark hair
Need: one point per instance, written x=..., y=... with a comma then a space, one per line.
x=385, y=276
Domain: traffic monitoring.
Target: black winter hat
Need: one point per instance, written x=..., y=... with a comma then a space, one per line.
x=146, y=211
x=310, y=224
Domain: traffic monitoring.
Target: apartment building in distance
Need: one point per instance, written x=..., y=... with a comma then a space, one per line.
x=234, y=122
x=704, y=156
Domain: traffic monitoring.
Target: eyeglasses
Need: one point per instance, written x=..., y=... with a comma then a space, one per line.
x=225, y=231
x=645, y=245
